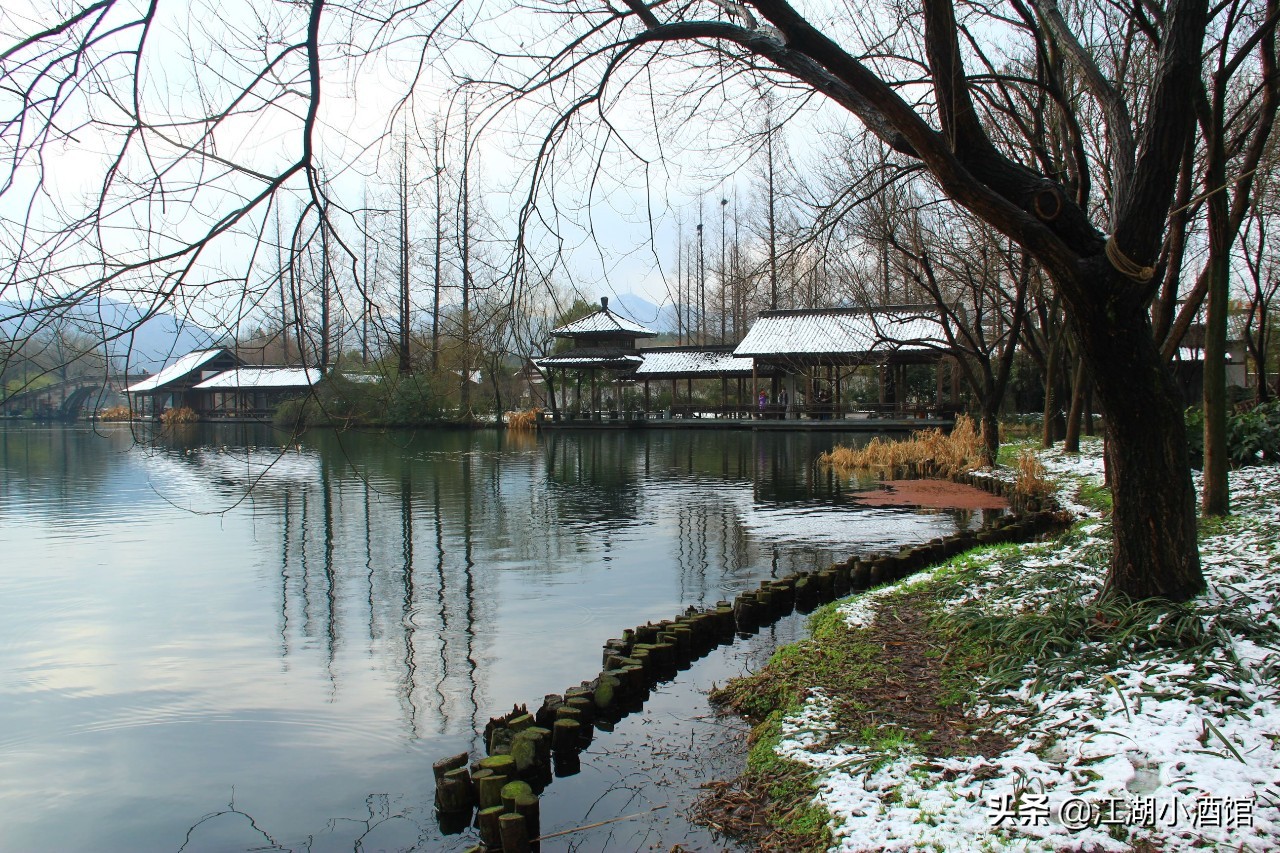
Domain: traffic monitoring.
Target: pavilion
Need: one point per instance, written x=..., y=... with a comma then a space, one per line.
x=173, y=386
x=692, y=362
x=822, y=347
x=252, y=392
x=603, y=343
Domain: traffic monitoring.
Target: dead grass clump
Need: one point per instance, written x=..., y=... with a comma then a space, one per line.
x=926, y=451
x=180, y=415
x=116, y=413
x=523, y=420
x=1032, y=479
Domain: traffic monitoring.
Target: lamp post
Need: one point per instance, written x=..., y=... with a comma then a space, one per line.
x=724, y=283
x=702, y=291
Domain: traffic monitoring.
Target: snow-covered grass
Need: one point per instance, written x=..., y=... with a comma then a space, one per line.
x=1138, y=725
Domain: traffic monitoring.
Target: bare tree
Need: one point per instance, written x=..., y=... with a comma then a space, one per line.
x=1099, y=252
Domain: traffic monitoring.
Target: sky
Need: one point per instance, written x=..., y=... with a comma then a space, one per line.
x=610, y=212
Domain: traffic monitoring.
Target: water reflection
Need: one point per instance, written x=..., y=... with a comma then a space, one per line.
x=306, y=621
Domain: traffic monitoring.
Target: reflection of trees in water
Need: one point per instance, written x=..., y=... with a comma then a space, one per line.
x=391, y=547
x=383, y=827
x=394, y=557
x=592, y=484
x=64, y=466
x=229, y=821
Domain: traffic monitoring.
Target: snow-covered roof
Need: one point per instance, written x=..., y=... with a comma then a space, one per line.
x=1197, y=354
x=677, y=362
x=263, y=377
x=190, y=362
x=581, y=358
x=843, y=331
x=603, y=322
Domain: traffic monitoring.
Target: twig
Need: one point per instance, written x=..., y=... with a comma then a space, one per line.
x=600, y=823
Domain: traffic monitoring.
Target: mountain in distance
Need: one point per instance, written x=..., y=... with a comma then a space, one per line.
x=148, y=344
x=636, y=308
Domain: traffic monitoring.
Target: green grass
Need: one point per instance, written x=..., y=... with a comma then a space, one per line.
x=1096, y=496
x=802, y=825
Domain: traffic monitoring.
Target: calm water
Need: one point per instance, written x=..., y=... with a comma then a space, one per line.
x=213, y=643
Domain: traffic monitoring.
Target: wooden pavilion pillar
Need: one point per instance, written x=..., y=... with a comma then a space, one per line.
x=646, y=395
x=900, y=389
x=755, y=387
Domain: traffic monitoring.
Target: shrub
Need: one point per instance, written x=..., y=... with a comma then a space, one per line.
x=1253, y=435
x=341, y=402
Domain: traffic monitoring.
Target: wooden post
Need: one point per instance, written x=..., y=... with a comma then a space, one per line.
x=514, y=833
x=490, y=834
x=513, y=791
x=491, y=790
x=565, y=735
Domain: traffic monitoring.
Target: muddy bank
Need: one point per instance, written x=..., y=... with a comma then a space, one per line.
x=930, y=493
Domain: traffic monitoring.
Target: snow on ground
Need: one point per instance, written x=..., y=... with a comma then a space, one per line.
x=1180, y=754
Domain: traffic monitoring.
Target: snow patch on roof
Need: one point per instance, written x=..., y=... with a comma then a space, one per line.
x=692, y=363
x=180, y=368
x=603, y=322
x=263, y=377
x=843, y=331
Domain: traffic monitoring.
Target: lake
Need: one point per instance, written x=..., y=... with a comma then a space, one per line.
x=224, y=638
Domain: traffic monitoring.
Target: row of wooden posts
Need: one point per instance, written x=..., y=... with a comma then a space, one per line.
x=499, y=793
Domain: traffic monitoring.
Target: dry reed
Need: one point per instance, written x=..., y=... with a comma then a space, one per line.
x=929, y=451
x=1032, y=479
x=116, y=413
x=180, y=415
x=523, y=420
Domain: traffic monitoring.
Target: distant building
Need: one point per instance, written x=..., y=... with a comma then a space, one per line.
x=215, y=384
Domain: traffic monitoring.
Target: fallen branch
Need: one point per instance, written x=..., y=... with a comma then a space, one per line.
x=594, y=825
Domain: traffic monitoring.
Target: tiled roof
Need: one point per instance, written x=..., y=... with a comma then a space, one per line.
x=190, y=362
x=603, y=322
x=263, y=377
x=843, y=331
x=691, y=363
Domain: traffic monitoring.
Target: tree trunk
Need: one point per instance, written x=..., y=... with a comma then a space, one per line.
x=991, y=428
x=1216, y=499
x=1051, y=370
x=1154, y=517
x=1088, y=409
x=1071, y=444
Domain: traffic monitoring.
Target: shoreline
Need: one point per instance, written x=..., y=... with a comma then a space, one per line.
x=990, y=702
